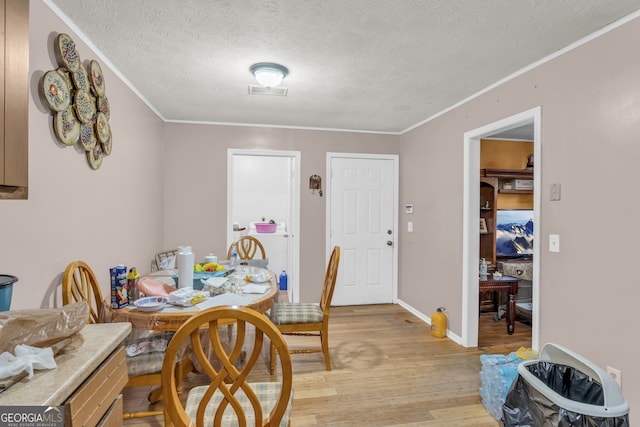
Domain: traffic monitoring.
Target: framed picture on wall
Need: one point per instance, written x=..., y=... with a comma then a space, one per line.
x=483, y=226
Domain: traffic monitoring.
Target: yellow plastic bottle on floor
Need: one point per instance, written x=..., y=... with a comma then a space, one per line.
x=439, y=323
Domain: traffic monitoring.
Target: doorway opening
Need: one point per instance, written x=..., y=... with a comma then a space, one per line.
x=530, y=119
x=264, y=186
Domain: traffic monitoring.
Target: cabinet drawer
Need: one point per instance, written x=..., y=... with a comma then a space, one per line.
x=94, y=397
x=113, y=417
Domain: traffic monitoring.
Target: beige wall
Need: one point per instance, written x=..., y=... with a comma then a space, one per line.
x=590, y=145
x=196, y=185
x=109, y=216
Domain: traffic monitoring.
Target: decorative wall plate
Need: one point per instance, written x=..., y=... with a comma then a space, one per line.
x=67, y=78
x=96, y=78
x=67, y=52
x=56, y=91
x=103, y=132
x=103, y=106
x=95, y=157
x=85, y=105
x=106, y=146
x=67, y=126
x=87, y=138
x=81, y=78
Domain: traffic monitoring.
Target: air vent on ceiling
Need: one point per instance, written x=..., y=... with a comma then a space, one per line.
x=261, y=90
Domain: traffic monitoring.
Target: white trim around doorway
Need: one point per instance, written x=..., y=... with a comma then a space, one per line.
x=293, y=291
x=471, y=235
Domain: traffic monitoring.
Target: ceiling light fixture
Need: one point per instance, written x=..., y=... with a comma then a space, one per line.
x=269, y=74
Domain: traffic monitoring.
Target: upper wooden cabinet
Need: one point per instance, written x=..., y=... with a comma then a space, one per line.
x=14, y=93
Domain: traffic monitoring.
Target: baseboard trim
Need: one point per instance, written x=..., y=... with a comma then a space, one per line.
x=427, y=319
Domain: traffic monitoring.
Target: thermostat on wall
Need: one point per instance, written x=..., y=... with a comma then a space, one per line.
x=408, y=208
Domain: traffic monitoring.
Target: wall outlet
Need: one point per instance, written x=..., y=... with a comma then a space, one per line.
x=615, y=374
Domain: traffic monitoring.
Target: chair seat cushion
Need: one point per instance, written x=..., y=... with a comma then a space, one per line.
x=286, y=313
x=145, y=363
x=267, y=393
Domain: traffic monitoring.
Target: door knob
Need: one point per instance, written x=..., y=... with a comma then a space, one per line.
x=389, y=243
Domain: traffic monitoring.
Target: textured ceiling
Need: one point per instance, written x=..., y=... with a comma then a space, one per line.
x=362, y=65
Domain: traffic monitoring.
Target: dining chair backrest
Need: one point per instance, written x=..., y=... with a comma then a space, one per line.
x=228, y=398
x=79, y=283
x=158, y=260
x=247, y=247
x=308, y=319
x=330, y=280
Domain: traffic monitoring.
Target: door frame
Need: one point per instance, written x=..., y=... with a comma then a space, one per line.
x=471, y=227
x=396, y=177
x=293, y=290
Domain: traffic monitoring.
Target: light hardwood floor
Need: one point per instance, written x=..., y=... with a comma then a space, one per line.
x=388, y=370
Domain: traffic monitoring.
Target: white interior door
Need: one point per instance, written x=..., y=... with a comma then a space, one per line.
x=362, y=216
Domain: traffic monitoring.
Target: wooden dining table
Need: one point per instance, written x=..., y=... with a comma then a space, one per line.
x=171, y=317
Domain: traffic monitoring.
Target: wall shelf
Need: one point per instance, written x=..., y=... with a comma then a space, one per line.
x=507, y=191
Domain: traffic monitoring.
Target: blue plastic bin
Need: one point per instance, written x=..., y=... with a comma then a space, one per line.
x=6, y=288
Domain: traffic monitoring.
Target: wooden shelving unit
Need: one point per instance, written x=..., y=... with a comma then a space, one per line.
x=492, y=183
x=488, y=197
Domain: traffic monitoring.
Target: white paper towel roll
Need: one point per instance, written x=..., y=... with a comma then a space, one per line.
x=186, y=260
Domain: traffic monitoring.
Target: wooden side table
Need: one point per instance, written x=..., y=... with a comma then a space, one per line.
x=503, y=284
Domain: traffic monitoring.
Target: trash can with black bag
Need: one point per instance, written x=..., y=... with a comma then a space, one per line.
x=562, y=388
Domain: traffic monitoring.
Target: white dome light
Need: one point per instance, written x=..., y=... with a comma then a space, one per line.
x=269, y=74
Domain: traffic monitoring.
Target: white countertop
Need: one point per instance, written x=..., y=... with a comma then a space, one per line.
x=52, y=387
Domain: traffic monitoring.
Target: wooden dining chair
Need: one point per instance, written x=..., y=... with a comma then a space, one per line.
x=308, y=319
x=79, y=283
x=228, y=399
x=247, y=247
x=160, y=257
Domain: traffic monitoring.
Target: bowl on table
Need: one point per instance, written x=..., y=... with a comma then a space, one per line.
x=150, y=303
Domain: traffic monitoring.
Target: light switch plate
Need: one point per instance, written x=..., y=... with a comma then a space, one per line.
x=410, y=226
x=554, y=243
x=554, y=194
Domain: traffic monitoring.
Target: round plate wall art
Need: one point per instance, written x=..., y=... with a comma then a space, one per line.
x=56, y=91
x=95, y=156
x=67, y=126
x=97, y=80
x=85, y=106
x=103, y=132
x=81, y=79
x=87, y=138
x=67, y=52
x=103, y=106
x=75, y=92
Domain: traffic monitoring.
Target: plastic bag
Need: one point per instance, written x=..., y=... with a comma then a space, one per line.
x=41, y=327
x=562, y=388
x=183, y=296
x=497, y=375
